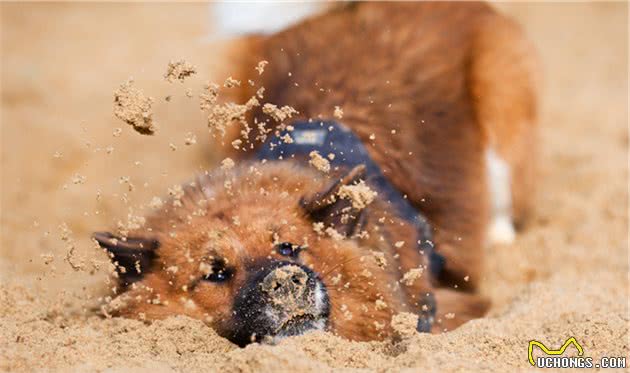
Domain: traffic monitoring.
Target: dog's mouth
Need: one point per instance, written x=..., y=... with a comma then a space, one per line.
x=297, y=324
x=303, y=321
x=300, y=324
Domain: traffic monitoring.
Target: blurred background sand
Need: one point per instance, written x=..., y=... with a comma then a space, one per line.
x=567, y=274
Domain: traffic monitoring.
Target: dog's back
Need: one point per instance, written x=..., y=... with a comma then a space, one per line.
x=443, y=93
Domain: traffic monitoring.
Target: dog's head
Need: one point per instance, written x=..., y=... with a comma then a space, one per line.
x=261, y=252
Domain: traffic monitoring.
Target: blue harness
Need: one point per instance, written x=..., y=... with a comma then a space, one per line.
x=328, y=137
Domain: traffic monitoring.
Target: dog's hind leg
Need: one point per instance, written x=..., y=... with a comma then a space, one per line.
x=503, y=83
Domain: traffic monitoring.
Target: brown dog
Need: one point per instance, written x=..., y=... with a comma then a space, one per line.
x=439, y=112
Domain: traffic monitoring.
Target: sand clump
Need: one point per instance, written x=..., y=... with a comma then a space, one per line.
x=338, y=112
x=359, y=194
x=231, y=83
x=261, y=66
x=410, y=277
x=133, y=108
x=179, y=70
x=279, y=114
x=320, y=163
x=209, y=97
x=222, y=115
x=190, y=139
x=227, y=164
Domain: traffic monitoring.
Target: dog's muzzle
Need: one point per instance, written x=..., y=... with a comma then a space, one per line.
x=279, y=300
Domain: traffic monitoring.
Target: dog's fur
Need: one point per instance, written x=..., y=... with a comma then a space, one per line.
x=452, y=79
x=438, y=85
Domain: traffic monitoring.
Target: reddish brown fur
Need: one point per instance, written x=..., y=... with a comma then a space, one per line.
x=450, y=78
x=266, y=200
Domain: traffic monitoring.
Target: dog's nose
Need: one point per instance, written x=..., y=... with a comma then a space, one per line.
x=284, y=284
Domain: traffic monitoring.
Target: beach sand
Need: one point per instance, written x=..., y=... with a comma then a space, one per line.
x=67, y=170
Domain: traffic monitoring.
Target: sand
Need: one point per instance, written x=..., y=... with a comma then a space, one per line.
x=320, y=163
x=566, y=275
x=179, y=70
x=359, y=194
x=133, y=108
x=279, y=114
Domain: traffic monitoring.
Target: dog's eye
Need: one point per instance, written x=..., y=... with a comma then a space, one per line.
x=219, y=272
x=288, y=249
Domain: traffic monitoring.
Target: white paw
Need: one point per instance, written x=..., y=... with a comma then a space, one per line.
x=501, y=231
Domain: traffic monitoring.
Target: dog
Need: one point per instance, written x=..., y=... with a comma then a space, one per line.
x=339, y=219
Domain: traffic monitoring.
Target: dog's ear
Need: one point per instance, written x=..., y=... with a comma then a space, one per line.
x=326, y=206
x=132, y=256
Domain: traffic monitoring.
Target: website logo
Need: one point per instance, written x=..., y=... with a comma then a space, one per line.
x=555, y=359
